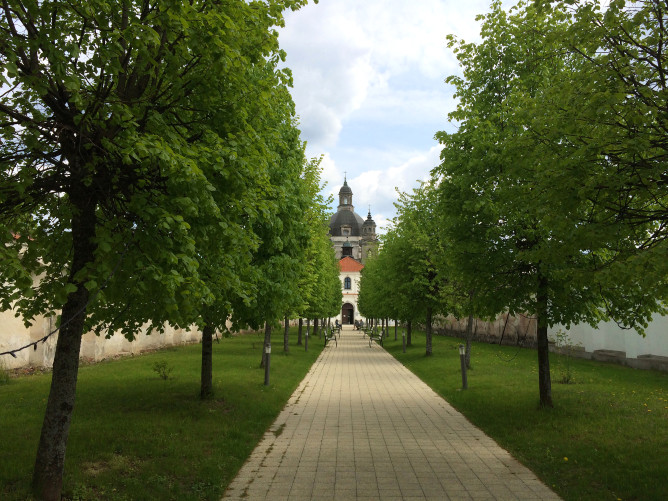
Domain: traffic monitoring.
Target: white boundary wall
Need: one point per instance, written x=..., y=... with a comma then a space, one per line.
x=609, y=336
x=13, y=334
x=622, y=345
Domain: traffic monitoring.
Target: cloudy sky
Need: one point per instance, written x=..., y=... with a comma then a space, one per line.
x=369, y=89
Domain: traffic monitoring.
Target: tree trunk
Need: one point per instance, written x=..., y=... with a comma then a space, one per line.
x=544, y=382
x=206, y=380
x=266, y=344
x=469, y=335
x=315, y=326
x=429, y=351
x=299, y=332
x=409, y=333
x=286, y=335
x=395, y=329
x=47, y=480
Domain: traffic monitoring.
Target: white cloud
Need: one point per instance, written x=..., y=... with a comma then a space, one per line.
x=350, y=56
x=331, y=67
x=378, y=187
x=369, y=89
x=332, y=176
x=409, y=106
x=319, y=125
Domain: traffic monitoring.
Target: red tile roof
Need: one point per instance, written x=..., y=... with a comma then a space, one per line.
x=350, y=265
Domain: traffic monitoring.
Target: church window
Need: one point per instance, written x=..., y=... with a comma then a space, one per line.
x=347, y=251
x=346, y=283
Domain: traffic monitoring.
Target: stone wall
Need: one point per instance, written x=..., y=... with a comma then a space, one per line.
x=506, y=329
x=606, y=342
x=14, y=334
x=610, y=343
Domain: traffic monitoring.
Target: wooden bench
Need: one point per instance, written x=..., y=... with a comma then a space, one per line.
x=378, y=338
x=329, y=335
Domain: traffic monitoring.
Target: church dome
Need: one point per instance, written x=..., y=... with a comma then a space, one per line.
x=346, y=222
x=346, y=218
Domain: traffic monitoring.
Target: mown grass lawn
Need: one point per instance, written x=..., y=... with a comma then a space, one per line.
x=137, y=436
x=605, y=439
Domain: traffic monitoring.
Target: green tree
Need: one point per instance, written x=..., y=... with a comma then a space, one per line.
x=416, y=224
x=319, y=284
x=226, y=251
x=324, y=292
x=403, y=281
x=105, y=119
x=526, y=183
x=371, y=299
x=602, y=130
x=494, y=225
x=385, y=286
x=283, y=237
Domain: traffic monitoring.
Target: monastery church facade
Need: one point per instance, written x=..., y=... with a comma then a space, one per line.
x=354, y=240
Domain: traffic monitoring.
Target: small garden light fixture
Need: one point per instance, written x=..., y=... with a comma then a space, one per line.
x=462, y=360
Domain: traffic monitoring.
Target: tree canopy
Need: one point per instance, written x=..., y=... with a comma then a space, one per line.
x=143, y=144
x=547, y=205
x=404, y=280
x=320, y=290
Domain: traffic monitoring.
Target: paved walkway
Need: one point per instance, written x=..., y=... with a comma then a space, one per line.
x=362, y=426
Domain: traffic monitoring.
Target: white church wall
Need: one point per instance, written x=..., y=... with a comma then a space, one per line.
x=350, y=295
x=354, y=282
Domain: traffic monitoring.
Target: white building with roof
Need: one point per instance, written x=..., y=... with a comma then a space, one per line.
x=354, y=240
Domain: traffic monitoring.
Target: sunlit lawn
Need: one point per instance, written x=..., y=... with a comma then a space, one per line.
x=605, y=439
x=137, y=436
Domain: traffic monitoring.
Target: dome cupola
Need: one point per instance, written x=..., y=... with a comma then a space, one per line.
x=345, y=196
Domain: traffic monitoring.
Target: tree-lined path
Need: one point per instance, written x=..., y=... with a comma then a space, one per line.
x=362, y=426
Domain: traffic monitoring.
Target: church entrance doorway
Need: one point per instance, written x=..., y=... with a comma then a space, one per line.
x=347, y=314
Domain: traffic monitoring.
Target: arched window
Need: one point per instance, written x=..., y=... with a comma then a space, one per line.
x=346, y=283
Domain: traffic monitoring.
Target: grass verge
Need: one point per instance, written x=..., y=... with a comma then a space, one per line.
x=605, y=439
x=138, y=435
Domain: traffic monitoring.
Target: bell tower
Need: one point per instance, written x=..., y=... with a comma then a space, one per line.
x=346, y=197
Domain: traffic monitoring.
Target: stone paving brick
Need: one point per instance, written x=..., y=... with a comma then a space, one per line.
x=360, y=426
